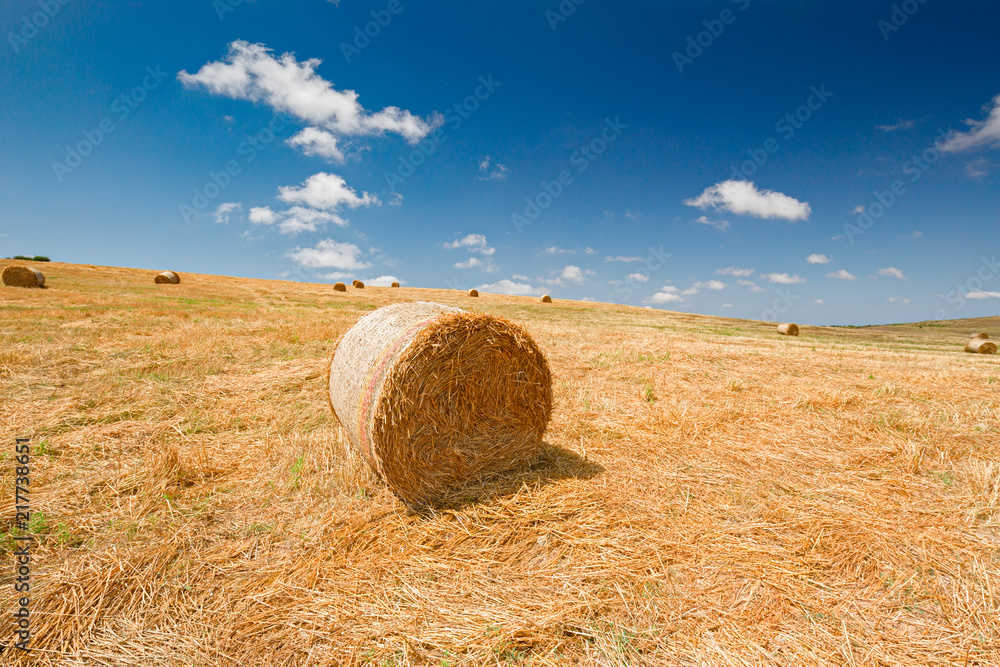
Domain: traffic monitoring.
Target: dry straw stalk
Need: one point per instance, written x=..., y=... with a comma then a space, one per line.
x=22, y=276
x=788, y=329
x=167, y=278
x=434, y=397
x=981, y=346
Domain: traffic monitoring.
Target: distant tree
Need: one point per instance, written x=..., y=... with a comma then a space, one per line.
x=36, y=258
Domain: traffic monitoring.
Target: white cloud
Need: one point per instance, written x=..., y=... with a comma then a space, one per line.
x=901, y=125
x=695, y=288
x=325, y=191
x=383, y=281
x=860, y=208
x=588, y=250
x=667, y=294
x=300, y=219
x=314, y=141
x=251, y=72
x=397, y=199
x=523, y=279
x=819, y=301
x=620, y=258
x=754, y=287
x=499, y=172
x=632, y=215
x=734, y=271
x=817, y=258
x=262, y=215
x=329, y=254
x=224, y=211
x=976, y=170
x=897, y=299
x=980, y=294
x=553, y=250
x=721, y=225
x=335, y=275
x=841, y=274
x=727, y=305
x=637, y=277
x=474, y=242
x=892, y=272
x=472, y=262
x=985, y=133
x=782, y=278
x=511, y=287
x=572, y=275
x=918, y=235
x=743, y=198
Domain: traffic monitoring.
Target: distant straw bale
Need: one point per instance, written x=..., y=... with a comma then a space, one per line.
x=22, y=276
x=433, y=396
x=788, y=329
x=473, y=292
x=981, y=346
x=395, y=284
x=984, y=336
x=339, y=287
x=358, y=284
x=546, y=298
x=354, y=283
x=167, y=278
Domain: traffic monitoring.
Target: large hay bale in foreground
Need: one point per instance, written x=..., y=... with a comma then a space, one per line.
x=339, y=287
x=981, y=346
x=984, y=335
x=473, y=292
x=432, y=396
x=394, y=285
x=546, y=298
x=788, y=329
x=22, y=276
x=167, y=278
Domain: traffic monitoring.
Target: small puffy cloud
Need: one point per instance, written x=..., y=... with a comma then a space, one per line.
x=743, y=198
x=329, y=254
x=473, y=243
x=325, y=191
x=395, y=199
x=860, y=208
x=782, y=278
x=984, y=133
x=621, y=258
x=892, y=272
x=314, y=141
x=523, y=279
x=734, y=271
x=299, y=219
x=225, y=211
x=667, y=294
x=716, y=285
x=570, y=275
x=474, y=262
x=901, y=125
x=511, y=287
x=727, y=305
x=976, y=170
x=819, y=301
x=262, y=215
x=588, y=250
x=554, y=250
x=721, y=225
x=498, y=171
x=632, y=215
x=817, y=258
x=383, y=281
x=754, y=287
x=841, y=274
x=637, y=277
x=897, y=299
x=980, y=294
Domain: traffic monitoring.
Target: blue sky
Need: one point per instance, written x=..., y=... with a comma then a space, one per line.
x=819, y=162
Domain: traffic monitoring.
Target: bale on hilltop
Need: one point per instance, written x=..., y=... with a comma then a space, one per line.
x=358, y=284
x=394, y=285
x=339, y=287
x=788, y=329
x=981, y=346
x=432, y=396
x=22, y=276
x=473, y=292
x=167, y=278
x=546, y=298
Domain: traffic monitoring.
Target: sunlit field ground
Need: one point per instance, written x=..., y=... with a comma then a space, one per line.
x=711, y=493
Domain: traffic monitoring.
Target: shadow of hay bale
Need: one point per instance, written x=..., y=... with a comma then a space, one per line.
x=553, y=464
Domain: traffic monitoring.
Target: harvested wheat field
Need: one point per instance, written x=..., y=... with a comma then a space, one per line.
x=708, y=494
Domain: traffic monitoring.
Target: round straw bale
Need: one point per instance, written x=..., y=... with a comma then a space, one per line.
x=358, y=284
x=339, y=287
x=981, y=346
x=394, y=285
x=167, y=278
x=984, y=336
x=546, y=298
x=432, y=396
x=473, y=292
x=788, y=329
x=354, y=283
x=22, y=276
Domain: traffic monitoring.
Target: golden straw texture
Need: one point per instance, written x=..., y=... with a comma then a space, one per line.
x=434, y=397
x=22, y=276
x=167, y=278
x=788, y=329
